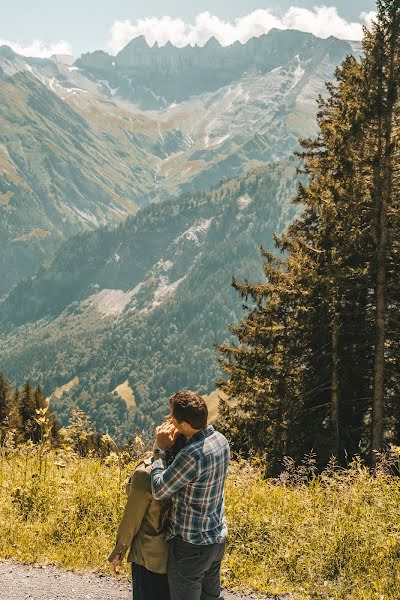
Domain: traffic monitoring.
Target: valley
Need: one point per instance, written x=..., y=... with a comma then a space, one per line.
x=148, y=301
x=133, y=188
x=82, y=149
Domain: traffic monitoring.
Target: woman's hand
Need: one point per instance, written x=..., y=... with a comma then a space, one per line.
x=116, y=564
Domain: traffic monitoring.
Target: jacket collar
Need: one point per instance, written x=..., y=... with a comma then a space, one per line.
x=203, y=433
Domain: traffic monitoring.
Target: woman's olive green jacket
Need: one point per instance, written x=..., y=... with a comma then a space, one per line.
x=140, y=530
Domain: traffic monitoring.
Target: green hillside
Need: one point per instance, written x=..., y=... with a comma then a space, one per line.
x=58, y=176
x=145, y=302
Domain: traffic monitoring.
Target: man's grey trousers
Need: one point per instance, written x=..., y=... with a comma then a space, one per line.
x=194, y=570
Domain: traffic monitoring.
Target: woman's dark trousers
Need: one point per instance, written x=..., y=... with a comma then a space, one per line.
x=148, y=585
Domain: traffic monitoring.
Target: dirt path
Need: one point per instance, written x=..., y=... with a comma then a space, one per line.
x=26, y=582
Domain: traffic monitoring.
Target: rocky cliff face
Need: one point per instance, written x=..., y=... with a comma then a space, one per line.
x=155, y=77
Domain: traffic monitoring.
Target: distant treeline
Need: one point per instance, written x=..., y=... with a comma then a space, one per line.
x=25, y=416
x=317, y=359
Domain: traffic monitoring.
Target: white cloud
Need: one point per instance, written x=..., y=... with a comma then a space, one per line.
x=37, y=48
x=368, y=17
x=322, y=21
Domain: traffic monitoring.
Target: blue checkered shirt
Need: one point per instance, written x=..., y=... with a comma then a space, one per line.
x=195, y=483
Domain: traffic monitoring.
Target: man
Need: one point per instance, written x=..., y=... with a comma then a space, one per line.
x=195, y=481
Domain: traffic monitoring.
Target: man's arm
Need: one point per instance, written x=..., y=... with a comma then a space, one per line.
x=165, y=481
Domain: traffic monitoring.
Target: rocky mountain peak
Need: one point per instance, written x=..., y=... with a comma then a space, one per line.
x=136, y=43
x=63, y=59
x=95, y=60
x=212, y=43
x=7, y=53
x=176, y=74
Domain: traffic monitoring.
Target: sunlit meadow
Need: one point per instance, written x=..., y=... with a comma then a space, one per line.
x=334, y=536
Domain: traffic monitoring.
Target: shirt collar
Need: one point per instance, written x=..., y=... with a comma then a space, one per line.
x=203, y=433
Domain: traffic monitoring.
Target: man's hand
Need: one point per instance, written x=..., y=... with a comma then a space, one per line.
x=166, y=435
x=116, y=563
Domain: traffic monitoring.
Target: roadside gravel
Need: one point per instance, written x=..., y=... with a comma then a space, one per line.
x=27, y=582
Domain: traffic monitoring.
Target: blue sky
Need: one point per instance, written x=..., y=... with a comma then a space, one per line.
x=85, y=25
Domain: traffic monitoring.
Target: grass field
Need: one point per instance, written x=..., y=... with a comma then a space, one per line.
x=334, y=537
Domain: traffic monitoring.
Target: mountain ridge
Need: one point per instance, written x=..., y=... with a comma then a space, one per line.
x=223, y=64
x=81, y=152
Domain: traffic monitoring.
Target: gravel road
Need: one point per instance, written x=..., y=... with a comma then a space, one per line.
x=26, y=582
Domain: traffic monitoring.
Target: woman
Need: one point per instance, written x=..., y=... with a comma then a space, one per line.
x=142, y=531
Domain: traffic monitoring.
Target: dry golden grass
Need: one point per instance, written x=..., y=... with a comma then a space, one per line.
x=125, y=392
x=337, y=537
x=60, y=391
x=212, y=401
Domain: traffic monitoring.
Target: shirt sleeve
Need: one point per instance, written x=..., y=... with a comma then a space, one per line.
x=135, y=509
x=165, y=481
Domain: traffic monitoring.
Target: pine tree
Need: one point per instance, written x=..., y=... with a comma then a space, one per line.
x=318, y=350
x=27, y=411
x=382, y=95
x=303, y=303
x=5, y=399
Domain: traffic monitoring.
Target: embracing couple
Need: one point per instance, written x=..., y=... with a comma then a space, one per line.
x=173, y=525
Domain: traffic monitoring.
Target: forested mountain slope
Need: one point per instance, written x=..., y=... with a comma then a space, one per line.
x=145, y=302
x=58, y=176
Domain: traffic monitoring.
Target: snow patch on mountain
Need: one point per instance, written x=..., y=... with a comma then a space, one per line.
x=244, y=201
x=165, y=289
x=113, y=302
x=107, y=86
x=163, y=265
x=194, y=231
x=89, y=218
x=298, y=74
x=73, y=91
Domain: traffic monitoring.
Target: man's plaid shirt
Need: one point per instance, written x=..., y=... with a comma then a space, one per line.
x=195, y=483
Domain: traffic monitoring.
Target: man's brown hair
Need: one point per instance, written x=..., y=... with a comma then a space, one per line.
x=190, y=407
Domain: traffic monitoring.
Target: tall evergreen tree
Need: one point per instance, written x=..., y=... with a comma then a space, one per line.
x=382, y=95
x=309, y=369
x=5, y=399
x=27, y=410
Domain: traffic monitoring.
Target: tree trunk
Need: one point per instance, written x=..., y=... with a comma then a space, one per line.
x=380, y=324
x=384, y=200
x=335, y=398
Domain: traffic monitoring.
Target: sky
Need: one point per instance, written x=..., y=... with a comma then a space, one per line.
x=45, y=27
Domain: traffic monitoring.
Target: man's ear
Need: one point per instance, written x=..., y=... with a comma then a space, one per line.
x=185, y=427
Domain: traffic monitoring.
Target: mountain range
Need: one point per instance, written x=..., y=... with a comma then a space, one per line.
x=132, y=189
x=84, y=144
